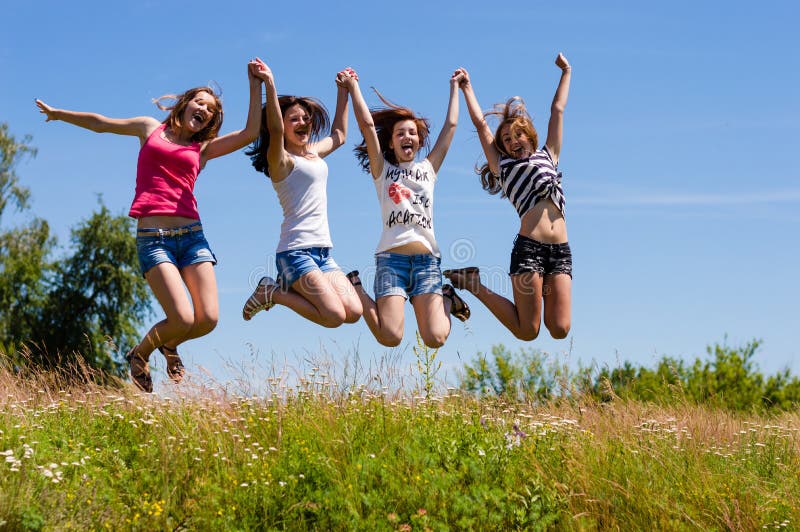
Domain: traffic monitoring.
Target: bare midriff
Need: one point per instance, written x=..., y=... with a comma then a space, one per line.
x=545, y=223
x=164, y=222
x=412, y=248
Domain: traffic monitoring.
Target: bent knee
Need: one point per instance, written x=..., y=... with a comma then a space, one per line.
x=527, y=335
x=206, y=324
x=436, y=342
x=559, y=331
x=333, y=318
x=390, y=339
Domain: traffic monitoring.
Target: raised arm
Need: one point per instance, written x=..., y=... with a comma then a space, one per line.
x=239, y=139
x=366, y=125
x=139, y=126
x=280, y=164
x=439, y=151
x=555, y=127
x=485, y=134
x=339, y=125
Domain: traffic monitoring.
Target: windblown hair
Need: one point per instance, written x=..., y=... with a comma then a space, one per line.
x=176, y=110
x=385, y=118
x=514, y=115
x=320, y=123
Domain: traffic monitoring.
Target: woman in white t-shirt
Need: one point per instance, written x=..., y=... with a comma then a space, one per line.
x=290, y=152
x=407, y=257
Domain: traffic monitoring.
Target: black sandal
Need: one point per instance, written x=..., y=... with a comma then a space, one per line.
x=175, y=367
x=353, y=278
x=140, y=371
x=458, y=307
x=461, y=274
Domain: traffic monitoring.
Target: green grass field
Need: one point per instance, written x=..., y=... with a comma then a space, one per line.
x=316, y=457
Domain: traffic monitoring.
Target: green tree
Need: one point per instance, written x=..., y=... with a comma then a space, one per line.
x=86, y=304
x=97, y=297
x=11, y=152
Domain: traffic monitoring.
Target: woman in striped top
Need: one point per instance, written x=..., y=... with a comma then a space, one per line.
x=541, y=262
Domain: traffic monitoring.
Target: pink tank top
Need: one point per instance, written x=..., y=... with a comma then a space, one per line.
x=165, y=178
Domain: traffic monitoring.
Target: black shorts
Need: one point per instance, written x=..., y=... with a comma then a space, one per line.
x=531, y=255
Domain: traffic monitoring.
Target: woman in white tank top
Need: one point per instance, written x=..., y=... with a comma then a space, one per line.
x=291, y=154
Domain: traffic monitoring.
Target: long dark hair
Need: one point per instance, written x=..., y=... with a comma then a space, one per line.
x=514, y=115
x=385, y=118
x=176, y=110
x=320, y=123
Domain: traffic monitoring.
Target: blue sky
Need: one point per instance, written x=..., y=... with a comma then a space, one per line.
x=679, y=155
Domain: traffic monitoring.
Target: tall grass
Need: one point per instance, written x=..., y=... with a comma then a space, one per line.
x=317, y=456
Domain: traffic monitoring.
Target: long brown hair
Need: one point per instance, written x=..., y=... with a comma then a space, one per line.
x=176, y=110
x=320, y=123
x=385, y=118
x=514, y=115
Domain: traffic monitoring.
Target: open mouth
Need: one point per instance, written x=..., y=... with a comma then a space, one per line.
x=199, y=116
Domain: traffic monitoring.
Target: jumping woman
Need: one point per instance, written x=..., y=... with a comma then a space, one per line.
x=407, y=257
x=290, y=152
x=516, y=167
x=173, y=252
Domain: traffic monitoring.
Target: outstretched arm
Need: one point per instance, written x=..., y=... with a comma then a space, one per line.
x=239, y=139
x=439, y=151
x=139, y=126
x=280, y=164
x=366, y=125
x=485, y=134
x=555, y=127
x=339, y=126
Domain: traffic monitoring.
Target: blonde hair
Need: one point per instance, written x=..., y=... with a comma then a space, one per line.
x=173, y=120
x=513, y=115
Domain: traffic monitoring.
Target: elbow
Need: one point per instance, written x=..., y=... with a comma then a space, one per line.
x=557, y=108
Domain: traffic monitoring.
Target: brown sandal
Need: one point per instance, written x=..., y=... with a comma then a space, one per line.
x=353, y=278
x=253, y=305
x=460, y=277
x=458, y=307
x=140, y=371
x=175, y=367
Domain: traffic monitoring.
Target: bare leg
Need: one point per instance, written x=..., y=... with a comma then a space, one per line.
x=385, y=318
x=522, y=316
x=433, y=318
x=346, y=292
x=557, y=293
x=167, y=285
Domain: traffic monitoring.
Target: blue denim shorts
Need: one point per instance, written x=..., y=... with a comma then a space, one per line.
x=155, y=246
x=295, y=263
x=407, y=275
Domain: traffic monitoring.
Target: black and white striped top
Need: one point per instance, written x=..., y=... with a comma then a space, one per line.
x=527, y=181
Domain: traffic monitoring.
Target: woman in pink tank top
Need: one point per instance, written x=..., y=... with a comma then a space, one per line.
x=173, y=252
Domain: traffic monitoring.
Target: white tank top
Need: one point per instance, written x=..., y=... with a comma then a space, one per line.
x=405, y=193
x=303, y=197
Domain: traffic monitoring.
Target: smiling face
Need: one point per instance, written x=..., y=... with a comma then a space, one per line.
x=296, y=126
x=405, y=141
x=199, y=112
x=515, y=142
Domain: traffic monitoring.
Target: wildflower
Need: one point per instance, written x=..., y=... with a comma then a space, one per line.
x=392, y=517
x=422, y=511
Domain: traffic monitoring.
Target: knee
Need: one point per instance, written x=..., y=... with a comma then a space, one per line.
x=334, y=318
x=206, y=324
x=527, y=334
x=390, y=339
x=183, y=322
x=559, y=331
x=435, y=341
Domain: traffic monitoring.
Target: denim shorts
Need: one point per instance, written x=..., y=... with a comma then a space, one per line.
x=407, y=275
x=531, y=255
x=181, y=250
x=295, y=263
